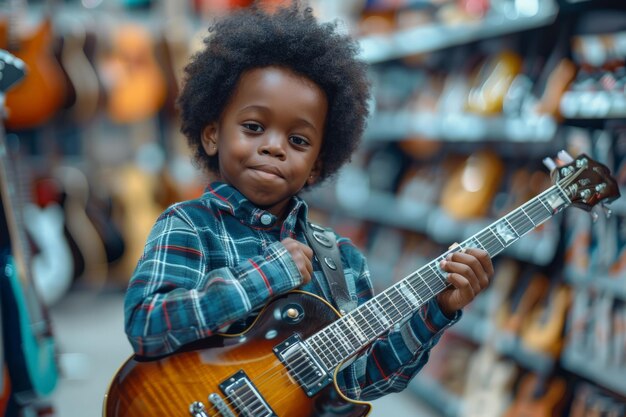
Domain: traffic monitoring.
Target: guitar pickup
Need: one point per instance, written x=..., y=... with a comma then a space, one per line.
x=303, y=365
x=245, y=396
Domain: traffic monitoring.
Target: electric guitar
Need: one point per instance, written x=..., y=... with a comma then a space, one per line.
x=29, y=343
x=286, y=362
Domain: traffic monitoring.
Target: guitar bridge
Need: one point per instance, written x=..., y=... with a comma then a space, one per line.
x=245, y=397
x=303, y=365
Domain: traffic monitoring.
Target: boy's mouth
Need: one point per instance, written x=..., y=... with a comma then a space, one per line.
x=268, y=170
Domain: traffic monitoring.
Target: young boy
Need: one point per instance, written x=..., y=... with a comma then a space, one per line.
x=275, y=103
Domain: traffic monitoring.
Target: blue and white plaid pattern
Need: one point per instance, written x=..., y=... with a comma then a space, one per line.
x=210, y=264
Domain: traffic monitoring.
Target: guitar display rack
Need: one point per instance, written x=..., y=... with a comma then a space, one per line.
x=515, y=135
x=439, y=106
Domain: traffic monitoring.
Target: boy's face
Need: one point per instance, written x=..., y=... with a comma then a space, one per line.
x=269, y=136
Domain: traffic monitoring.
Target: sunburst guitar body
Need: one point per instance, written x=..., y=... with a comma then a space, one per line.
x=209, y=377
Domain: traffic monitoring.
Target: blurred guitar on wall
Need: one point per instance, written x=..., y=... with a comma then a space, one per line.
x=38, y=97
x=136, y=87
x=30, y=347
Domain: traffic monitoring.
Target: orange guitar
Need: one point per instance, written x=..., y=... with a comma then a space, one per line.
x=470, y=189
x=136, y=86
x=543, y=332
x=286, y=362
x=40, y=95
x=538, y=396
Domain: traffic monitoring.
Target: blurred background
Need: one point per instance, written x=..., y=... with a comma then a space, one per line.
x=469, y=97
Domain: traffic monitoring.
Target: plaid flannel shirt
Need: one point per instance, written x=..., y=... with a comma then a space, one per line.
x=212, y=263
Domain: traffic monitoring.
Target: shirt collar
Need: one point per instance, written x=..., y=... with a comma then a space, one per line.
x=229, y=199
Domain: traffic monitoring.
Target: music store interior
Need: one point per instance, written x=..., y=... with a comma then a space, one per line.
x=478, y=108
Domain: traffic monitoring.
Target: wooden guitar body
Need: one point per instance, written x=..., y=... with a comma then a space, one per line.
x=169, y=386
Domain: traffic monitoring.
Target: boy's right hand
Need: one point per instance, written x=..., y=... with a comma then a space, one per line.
x=302, y=256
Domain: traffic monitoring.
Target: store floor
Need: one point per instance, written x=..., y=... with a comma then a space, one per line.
x=90, y=337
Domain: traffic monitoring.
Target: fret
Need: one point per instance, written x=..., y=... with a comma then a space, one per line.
x=537, y=212
x=378, y=314
x=339, y=336
x=328, y=345
x=493, y=248
x=364, y=319
x=352, y=332
x=406, y=292
x=393, y=305
x=438, y=274
x=546, y=206
x=506, y=234
x=382, y=311
x=529, y=217
x=426, y=283
x=349, y=331
x=517, y=234
x=401, y=300
x=356, y=328
x=479, y=245
x=411, y=285
x=373, y=319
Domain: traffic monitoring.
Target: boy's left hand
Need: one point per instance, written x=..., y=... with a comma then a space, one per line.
x=469, y=272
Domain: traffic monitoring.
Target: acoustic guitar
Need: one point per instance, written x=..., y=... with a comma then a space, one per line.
x=35, y=100
x=286, y=362
x=538, y=396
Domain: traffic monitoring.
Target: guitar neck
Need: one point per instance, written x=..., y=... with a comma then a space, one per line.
x=357, y=329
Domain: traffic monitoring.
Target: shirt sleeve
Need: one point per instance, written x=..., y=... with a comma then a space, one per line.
x=389, y=364
x=174, y=299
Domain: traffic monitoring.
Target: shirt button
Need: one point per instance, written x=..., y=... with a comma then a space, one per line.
x=266, y=219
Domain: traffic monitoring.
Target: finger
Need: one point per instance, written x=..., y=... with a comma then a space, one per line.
x=309, y=267
x=474, y=263
x=463, y=285
x=308, y=251
x=462, y=266
x=484, y=259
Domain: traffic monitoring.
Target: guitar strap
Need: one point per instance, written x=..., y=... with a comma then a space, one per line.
x=324, y=245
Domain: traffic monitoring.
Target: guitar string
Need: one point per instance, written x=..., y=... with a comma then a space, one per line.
x=393, y=300
x=282, y=370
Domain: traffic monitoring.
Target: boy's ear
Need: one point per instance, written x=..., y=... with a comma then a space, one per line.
x=315, y=173
x=209, y=139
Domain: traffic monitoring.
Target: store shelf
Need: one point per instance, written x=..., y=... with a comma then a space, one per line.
x=460, y=127
x=433, y=393
x=610, y=377
x=433, y=37
x=386, y=209
x=478, y=330
x=602, y=283
x=593, y=105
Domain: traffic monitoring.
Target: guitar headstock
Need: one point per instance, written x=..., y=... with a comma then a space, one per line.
x=12, y=70
x=585, y=181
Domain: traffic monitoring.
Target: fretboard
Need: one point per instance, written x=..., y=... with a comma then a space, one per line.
x=357, y=329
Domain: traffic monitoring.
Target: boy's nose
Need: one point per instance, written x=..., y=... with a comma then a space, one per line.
x=273, y=146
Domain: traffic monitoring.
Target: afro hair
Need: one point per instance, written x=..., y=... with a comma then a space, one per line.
x=289, y=37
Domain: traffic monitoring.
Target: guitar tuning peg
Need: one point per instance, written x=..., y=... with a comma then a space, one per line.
x=607, y=211
x=549, y=163
x=565, y=157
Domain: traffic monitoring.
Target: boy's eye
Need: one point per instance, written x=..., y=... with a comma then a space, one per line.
x=299, y=141
x=255, y=127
